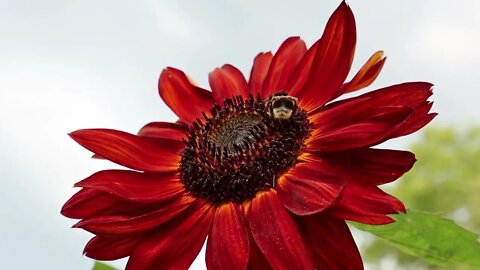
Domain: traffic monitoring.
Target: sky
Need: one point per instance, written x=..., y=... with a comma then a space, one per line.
x=68, y=64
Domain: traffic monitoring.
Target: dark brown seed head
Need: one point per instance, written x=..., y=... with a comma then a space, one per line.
x=240, y=149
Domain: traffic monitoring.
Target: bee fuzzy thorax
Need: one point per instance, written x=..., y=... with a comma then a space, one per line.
x=281, y=106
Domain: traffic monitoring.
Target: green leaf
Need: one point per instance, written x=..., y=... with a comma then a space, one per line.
x=426, y=235
x=102, y=266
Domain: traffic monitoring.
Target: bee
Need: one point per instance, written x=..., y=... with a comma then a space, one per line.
x=281, y=106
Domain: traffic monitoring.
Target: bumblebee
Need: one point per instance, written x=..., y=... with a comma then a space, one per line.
x=281, y=106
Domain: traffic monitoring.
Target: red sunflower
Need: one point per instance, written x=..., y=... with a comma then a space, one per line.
x=269, y=169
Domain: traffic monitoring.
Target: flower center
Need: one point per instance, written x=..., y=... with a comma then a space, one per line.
x=243, y=147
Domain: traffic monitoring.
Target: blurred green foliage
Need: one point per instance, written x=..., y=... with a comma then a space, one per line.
x=102, y=266
x=445, y=179
x=438, y=240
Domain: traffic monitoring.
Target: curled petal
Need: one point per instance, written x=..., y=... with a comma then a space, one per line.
x=283, y=63
x=88, y=202
x=366, y=129
x=135, y=152
x=419, y=118
x=331, y=242
x=184, y=99
x=260, y=67
x=276, y=233
x=126, y=225
x=136, y=186
x=164, y=130
x=373, y=117
x=413, y=95
x=306, y=190
x=366, y=75
x=110, y=248
x=228, y=245
x=227, y=82
x=175, y=244
x=366, y=204
x=371, y=166
x=333, y=59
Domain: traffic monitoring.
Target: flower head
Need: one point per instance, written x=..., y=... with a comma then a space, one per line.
x=268, y=168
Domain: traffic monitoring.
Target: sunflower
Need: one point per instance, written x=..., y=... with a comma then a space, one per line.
x=268, y=168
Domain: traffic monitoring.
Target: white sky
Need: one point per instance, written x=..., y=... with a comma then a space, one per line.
x=66, y=65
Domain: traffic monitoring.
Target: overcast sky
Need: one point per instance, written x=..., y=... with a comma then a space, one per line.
x=67, y=65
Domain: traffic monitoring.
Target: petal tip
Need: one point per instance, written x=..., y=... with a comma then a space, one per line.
x=76, y=225
x=78, y=134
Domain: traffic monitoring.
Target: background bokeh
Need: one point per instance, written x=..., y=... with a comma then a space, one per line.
x=67, y=65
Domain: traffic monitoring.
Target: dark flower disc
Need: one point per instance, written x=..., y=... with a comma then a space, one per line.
x=241, y=149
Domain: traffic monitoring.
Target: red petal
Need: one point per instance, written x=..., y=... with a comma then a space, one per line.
x=372, y=166
x=175, y=244
x=136, y=186
x=276, y=234
x=283, y=63
x=413, y=95
x=135, y=152
x=87, y=203
x=164, y=130
x=257, y=260
x=366, y=204
x=299, y=77
x=367, y=128
x=366, y=75
x=331, y=243
x=186, y=100
x=126, y=225
x=332, y=61
x=227, y=246
x=419, y=118
x=227, y=82
x=106, y=249
x=260, y=67
x=309, y=188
